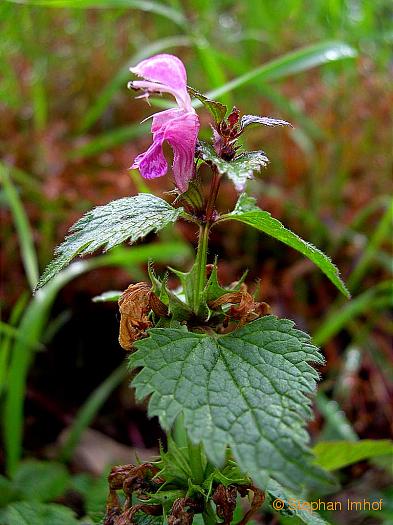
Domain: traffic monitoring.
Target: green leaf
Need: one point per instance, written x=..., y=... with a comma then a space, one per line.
x=214, y=290
x=254, y=120
x=238, y=170
x=217, y=109
x=173, y=464
x=33, y=513
x=40, y=480
x=276, y=491
x=22, y=226
x=247, y=211
x=247, y=390
x=229, y=475
x=333, y=455
x=130, y=218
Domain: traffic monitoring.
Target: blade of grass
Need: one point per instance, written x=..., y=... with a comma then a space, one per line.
x=6, y=340
x=289, y=64
x=34, y=321
x=379, y=296
x=121, y=78
x=110, y=139
x=139, y=182
x=32, y=324
x=28, y=253
x=13, y=333
x=211, y=66
x=336, y=424
x=382, y=233
x=89, y=410
x=143, y=5
x=360, y=218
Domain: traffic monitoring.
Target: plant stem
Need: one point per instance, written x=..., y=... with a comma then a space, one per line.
x=201, y=257
x=195, y=452
x=200, y=266
x=179, y=433
x=211, y=201
x=196, y=462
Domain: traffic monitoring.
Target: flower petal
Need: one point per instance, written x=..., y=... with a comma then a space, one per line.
x=166, y=69
x=181, y=133
x=163, y=73
x=152, y=163
x=163, y=118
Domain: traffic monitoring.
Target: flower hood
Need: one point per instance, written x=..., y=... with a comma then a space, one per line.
x=178, y=126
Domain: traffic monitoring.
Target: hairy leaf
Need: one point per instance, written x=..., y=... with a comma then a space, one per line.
x=238, y=170
x=213, y=289
x=252, y=120
x=277, y=492
x=247, y=390
x=130, y=218
x=217, y=109
x=247, y=211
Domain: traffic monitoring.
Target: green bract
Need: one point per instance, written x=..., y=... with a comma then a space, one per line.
x=246, y=390
x=130, y=218
x=240, y=169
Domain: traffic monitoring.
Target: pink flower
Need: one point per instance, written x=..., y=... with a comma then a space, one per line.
x=178, y=126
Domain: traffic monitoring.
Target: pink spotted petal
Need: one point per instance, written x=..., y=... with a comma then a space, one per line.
x=182, y=134
x=152, y=163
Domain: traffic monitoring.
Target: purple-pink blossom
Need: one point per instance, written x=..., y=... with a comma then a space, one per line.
x=178, y=126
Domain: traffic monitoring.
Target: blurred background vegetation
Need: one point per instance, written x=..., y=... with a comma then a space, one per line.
x=69, y=131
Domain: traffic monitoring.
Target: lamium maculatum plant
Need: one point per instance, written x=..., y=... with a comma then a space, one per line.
x=229, y=381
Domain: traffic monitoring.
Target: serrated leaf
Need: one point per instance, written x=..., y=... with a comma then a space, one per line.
x=247, y=390
x=254, y=120
x=217, y=109
x=213, y=290
x=240, y=169
x=333, y=455
x=130, y=218
x=276, y=491
x=33, y=513
x=229, y=475
x=247, y=211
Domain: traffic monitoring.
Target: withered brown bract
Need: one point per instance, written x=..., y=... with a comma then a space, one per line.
x=134, y=306
x=247, y=310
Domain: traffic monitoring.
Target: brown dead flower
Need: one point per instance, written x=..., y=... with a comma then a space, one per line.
x=246, y=309
x=135, y=305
